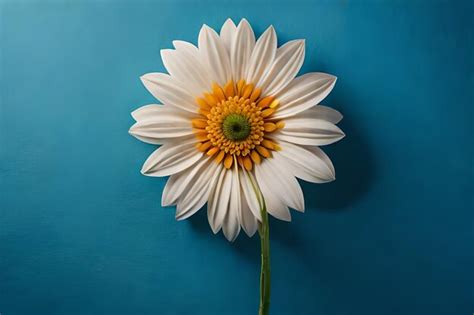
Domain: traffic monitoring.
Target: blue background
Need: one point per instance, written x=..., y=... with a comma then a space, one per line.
x=82, y=231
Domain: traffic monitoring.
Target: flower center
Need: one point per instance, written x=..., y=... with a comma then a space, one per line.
x=236, y=127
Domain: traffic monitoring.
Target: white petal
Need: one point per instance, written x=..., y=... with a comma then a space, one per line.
x=262, y=56
x=186, y=47
x=304, y=92
x=288, y=61
x=156, y=123
x=156, y=111
x=215, y=55
x=219, y=199
x=169, y=92
x=247, y=219
x=174, y=187
x=177, y=183
x=242, y=47
x=231, y=224
x=323, y=156
x=149, y=140
x=321, y=112
x=227, y=33
x=197, y=192
x=326, y=113
x=145, y=111
x=283, y=182
x=275, y=206
x=193, y=53
x=172, y=157
x=309, y=131
x=250, y=193
x=310, y=163
x=185, y=66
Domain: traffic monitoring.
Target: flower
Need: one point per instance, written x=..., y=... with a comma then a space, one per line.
x=237, y=127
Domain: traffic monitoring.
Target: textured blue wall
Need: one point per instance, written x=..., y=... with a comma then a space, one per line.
x=82, y=232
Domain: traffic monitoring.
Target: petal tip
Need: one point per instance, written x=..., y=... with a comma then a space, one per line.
x=144, y=77
x=229, y=21
x=244, y=22
x=300, y=206
x=205, y=27
x=133, y=129
x=215, y=230
x=165, y=52
x=340, y=118
x=179, y=216
x=176, y=42
x=231, y=238
x=331, y=176
x=145, y=170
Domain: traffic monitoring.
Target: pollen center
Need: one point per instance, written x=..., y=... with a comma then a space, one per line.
x=235, y=123
x=236, y=127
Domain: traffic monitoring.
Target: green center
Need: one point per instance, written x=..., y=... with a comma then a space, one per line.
x=236, y=127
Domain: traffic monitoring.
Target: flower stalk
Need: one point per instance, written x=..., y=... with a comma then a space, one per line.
x=263, y=230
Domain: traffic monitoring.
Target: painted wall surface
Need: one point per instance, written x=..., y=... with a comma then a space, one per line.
x=82, y=231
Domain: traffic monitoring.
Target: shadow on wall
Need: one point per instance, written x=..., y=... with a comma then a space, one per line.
x=354, y=166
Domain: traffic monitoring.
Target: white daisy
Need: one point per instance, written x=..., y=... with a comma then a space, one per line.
x=237, y=124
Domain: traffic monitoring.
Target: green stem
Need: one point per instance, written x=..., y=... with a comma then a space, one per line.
x=263, y=230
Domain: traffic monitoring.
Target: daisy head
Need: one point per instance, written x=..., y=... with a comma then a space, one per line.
x=237, y=127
